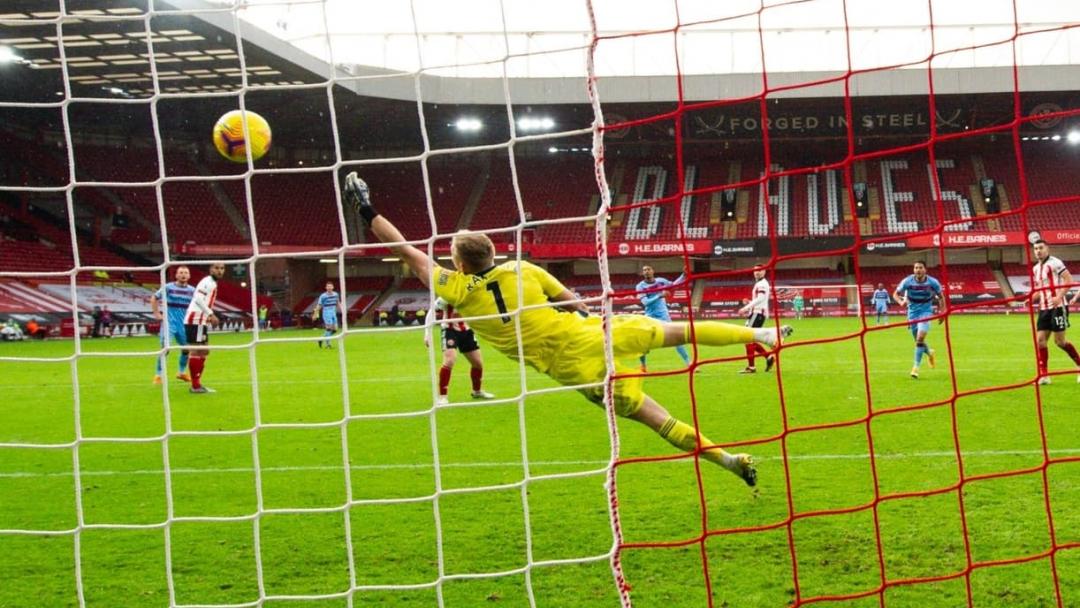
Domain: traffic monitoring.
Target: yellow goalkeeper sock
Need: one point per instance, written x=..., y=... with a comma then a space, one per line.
x=682, y=436
x=715, y=333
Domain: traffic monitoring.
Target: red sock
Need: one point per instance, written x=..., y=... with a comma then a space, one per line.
x=1071, y=351
x=1044, y=356
x=750, y=351
x=760, y=349
x=196, y=365
x=444, y=379
x=476, y=374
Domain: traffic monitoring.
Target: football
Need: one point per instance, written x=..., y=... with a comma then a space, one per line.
x=229, y=136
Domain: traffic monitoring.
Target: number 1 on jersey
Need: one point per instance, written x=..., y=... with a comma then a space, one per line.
x=494, y=288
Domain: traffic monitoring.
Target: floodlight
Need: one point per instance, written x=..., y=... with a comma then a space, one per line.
x=8, y=55
x=530, y=123
x=469, y=125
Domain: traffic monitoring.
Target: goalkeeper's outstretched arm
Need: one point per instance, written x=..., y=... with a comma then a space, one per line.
x=358, y=195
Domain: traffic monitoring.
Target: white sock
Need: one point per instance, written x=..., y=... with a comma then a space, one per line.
x=764, y=334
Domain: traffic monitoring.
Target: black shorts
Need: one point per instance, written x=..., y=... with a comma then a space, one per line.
x=756, y=320
x=1055, y=319
x=464, y=341
x=197, y=334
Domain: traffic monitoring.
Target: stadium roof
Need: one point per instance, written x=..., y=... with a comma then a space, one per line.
x=550, y=38
x=462, y=50
x=107, y=52
x=456, y=53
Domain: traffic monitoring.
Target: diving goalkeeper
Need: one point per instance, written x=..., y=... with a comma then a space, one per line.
x=567, y=347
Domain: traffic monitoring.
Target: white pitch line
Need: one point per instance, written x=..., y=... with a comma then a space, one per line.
x=548, y=463
x=878, y=375
x=352, y=380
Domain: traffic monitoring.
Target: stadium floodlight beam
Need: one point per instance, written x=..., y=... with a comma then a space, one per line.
x=529, y=123
x=117, y=91
x=8, y=55
x=1073, y=137
x=1056, y=137
x=469, y=125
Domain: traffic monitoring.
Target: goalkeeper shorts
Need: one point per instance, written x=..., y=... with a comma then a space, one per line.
x=581, y=359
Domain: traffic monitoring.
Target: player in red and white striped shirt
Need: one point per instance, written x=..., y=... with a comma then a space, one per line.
x=758, y=310
x=1050, y=286
x=200, y=316
x=458, y=336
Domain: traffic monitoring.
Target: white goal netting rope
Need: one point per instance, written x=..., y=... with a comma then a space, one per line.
x=348, y=414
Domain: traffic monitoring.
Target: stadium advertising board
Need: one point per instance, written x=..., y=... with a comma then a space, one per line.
x=790, y=246
x=659, y=248
x=1064, y=237
x=870, y=115
x=746, y=248
x=785, y=246
x=885, y=247
x=644, y=249
x=812, y=121
x=969, y=239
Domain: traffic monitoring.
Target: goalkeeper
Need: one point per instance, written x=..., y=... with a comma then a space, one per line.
x=567, y=347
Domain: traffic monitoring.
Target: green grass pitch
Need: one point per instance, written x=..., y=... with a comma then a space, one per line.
x=224, y=510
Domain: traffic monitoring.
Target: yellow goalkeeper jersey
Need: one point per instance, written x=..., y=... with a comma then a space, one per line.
x=544, y=331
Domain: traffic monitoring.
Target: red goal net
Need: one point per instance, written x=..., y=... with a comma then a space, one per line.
x=837, y=146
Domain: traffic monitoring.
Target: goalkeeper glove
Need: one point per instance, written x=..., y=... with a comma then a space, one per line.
x=358, y=195
x=441, y=304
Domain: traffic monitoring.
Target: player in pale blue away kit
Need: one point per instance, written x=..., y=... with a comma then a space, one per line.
x=881, y=301
x=655, y=303
x=919, y=292
x=327, y=307
x=176, y=296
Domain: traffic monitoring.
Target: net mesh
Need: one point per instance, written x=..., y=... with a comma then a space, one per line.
x=773, y=218
x=774, y=221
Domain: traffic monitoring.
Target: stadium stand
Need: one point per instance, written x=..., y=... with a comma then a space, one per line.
x=403, y=186
x=12, y=302
x=1019, y=277
x=407, y=300
x=478, y=191
x=291, y=208
x=362, y=293
x=30, y=242
x=554, y=188
x=20, y=296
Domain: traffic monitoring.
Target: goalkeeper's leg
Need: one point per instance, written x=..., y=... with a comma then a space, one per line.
x=685, y=437
x=715, y=333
